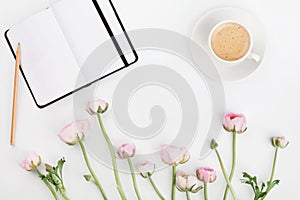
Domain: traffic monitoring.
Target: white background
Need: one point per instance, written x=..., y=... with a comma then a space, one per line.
x=269, y=98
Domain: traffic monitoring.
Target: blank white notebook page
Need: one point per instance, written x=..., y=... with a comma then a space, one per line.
x=82, y=27
x=46, y=58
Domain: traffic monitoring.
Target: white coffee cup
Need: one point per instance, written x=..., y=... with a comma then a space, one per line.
x=249, y=55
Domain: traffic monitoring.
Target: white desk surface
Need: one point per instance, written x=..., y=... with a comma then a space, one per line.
x=270, y=99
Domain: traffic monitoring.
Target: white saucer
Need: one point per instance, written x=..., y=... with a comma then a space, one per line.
x=237, y=71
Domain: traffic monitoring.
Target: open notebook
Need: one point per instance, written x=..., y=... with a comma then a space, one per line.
x=56, y=42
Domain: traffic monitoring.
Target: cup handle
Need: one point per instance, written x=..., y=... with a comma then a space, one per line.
x=253, y=56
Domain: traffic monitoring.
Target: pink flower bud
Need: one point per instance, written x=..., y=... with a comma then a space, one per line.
x=186, y=182
x=72, y=133
x=173, y=155
x=235, y=122
x=31, y=162
x=146, y=169
x=98, y=106
x=280, y=142
x=206, y=175
x=126, y=151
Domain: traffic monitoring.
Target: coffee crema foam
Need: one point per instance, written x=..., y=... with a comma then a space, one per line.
x=230, y=41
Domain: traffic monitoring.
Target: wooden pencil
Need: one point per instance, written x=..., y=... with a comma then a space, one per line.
x=15, y=96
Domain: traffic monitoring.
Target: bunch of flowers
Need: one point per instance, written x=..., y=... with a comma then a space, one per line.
x=75, y=133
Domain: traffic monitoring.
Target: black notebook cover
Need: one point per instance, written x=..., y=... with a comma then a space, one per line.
x=116, y=45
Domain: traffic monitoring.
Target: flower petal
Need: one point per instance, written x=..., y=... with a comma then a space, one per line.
x=74, y=131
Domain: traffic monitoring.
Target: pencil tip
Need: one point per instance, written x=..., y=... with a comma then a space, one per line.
x=19, y=44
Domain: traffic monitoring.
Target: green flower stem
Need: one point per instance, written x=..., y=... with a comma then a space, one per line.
x=113, y=158
x=225, y=175
x=187, y=194
x=272, y=173
x=61, y=188
x=96, y=181
x=173, y=181
x=155, y=188
x=205, y=192
x=233, y=163
x=274, y=165
x=48, y=185
x=64, y=195
x=134, y=179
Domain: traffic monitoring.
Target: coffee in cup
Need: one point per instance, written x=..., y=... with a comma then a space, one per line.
x=230, y=41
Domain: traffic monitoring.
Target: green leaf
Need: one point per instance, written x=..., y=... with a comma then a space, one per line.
x=261, y=195
x=60, y=165
x=255, y=180
x=259, y=192
x=263, y=185
x=55, y=175
x=43, y=177
x=248, y=179
x=272, y=184
x=246, y=175
x=87, y=177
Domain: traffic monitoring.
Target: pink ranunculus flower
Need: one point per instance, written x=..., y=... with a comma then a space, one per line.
x=97, y=106
x=206, y=175
x=186, y=182
x=73, y=132
x=280, y=142
x=126, y=151
x=173, y=155
x=235, y=122
x=146, y=169
x=31, y=162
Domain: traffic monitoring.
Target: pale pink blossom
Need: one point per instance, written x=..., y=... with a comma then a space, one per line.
x=206, y=175
x=97, y=106
x=31, y=162
x=235, y=122
x=186, y=182
x=73, y=132
x=173, y=155
x=146, y=169
x=280, y=142
x=126, y=151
